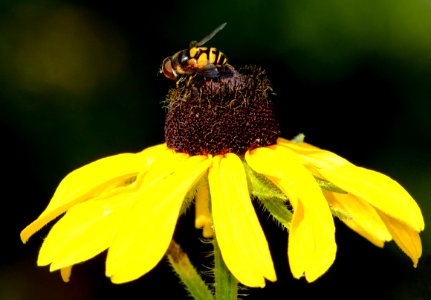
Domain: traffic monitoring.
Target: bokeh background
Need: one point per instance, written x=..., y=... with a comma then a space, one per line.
x=79, y=81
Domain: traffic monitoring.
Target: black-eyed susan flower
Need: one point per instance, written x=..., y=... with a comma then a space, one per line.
x=222, y=152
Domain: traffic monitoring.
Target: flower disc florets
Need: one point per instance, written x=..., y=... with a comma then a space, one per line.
x=230, y=114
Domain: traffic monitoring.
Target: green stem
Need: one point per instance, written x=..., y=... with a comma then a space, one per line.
x=226, y=286
x=194, y=283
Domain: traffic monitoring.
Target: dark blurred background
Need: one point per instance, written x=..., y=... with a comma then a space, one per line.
x=79, y=81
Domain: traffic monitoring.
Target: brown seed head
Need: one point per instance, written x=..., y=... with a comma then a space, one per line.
x=232, y=113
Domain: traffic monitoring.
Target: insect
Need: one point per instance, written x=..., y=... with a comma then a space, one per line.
x=195, y=60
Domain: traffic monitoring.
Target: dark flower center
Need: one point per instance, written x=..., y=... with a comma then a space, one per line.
x=232, y=113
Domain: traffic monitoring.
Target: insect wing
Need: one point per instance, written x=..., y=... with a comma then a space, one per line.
x=208, y=37
x=209, y=71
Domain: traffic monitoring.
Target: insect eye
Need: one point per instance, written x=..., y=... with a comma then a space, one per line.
x=167, y=69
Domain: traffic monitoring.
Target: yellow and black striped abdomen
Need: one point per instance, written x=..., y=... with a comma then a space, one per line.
x=207, y=55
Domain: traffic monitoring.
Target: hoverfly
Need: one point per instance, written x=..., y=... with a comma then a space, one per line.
x=195, y=60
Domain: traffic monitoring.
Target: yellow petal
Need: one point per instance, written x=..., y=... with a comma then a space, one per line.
x=65, y=273
x=405, y=237
x=163, y=166
x=240, y=237
x=379, y=190
x=203, y=216
x=312, y=247
x=86, y=230
x=314, y=156
x=362, y=217
x=145, y=235
x=399, y=211
x=90, y=180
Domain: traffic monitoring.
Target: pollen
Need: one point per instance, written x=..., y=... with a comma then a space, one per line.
x=232, y=113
